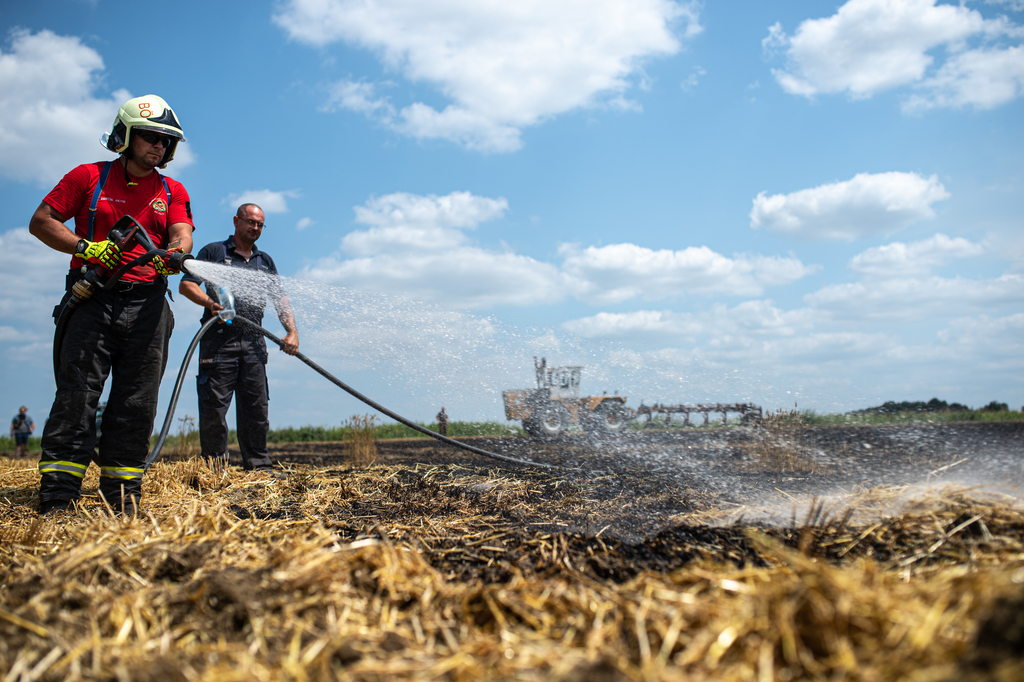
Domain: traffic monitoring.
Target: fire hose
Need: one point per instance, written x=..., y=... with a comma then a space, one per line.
x=125, y=233
x=325, y=374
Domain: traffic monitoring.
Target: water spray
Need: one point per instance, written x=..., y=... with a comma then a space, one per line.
x=229, y=316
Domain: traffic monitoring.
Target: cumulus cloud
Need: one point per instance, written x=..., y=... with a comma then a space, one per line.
x=502, y=66
x=983, y=330
x=869, y=46
x=304, y=223
x=619, y=272
x=908, y=299
x=269, y=200
x=691, y=81
x=917, y=258
x=50, y=116
x=983, y=78
x=415, y=247
x=418, y=246
x=756, y=318
x=405, y=222
x=1013, y=5
x=31, y=277
x=869, y=204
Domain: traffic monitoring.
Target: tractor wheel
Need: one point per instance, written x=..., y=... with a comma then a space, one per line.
x=549, y=420
x=610, y=418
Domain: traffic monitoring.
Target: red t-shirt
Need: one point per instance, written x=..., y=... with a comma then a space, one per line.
x=146, y=202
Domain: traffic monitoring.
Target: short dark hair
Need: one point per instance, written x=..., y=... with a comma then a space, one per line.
x=241, y=209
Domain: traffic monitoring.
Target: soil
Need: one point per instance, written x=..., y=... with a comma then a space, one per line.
x=651, y=500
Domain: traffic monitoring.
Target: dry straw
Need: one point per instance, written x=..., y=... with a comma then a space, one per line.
x=360, y=437
x=436, y=573
x=778, y=444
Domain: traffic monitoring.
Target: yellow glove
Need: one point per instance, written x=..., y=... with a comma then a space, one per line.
x=164, y=264
x=106, y=253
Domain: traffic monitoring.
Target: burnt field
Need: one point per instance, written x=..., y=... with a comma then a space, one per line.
x=784, y=552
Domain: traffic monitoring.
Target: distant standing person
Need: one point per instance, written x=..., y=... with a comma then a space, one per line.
x=233, y=358
x=442, y=422
x=22, y=427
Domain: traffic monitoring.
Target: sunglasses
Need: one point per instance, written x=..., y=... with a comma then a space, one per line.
x=254, y=223
x=153, y=138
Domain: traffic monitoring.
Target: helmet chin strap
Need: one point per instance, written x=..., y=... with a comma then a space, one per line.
x=127, y=154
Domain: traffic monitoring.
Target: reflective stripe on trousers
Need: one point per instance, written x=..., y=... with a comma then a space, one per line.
x=49, y=466
x=122, y=335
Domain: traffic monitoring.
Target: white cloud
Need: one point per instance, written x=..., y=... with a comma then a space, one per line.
x=917, y=258
x=868, y=204
x=359, y=97
x=911, y=299
x=1012, y=5
x=973, y=332
x=408, y=222
x=502, y=66
x=468, y=277
x=269, y=200
x=750, y=318
x=304, y=223
x=50, y=119
x=11, y=334
x=618, y=272
x=983, y=78
x=417, y=246
x=458, y=209
x=869, y=46
x=31, y=277
x=691, y=81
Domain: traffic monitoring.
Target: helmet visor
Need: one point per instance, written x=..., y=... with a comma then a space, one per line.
x=163, y=130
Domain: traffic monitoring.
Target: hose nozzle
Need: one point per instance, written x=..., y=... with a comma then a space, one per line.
x=177, y=259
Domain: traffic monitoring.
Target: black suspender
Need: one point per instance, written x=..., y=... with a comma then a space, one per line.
x=96, y=198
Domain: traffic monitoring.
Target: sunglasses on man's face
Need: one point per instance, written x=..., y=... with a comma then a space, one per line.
x=154, y=139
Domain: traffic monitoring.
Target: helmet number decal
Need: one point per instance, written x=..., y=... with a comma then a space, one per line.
x=144, y=110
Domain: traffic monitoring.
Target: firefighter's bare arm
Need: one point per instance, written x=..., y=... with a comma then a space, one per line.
x=179, y=236
x=179, y=240
x=47, y=225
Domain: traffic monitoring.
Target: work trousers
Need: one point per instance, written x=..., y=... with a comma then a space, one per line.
x=236, y=365
x=122, y=334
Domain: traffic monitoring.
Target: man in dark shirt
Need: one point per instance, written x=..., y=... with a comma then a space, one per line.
x=233, y=358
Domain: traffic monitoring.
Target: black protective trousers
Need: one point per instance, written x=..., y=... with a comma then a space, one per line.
x=123, y=334
x=230, y=363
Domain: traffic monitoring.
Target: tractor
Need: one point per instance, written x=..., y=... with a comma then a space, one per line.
x=548, y=410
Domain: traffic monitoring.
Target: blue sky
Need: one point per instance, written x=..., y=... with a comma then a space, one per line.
x=802, y=202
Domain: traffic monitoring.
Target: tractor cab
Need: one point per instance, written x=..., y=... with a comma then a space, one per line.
x=562, y=382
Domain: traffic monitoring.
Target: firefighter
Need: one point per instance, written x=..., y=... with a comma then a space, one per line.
x=123, y=331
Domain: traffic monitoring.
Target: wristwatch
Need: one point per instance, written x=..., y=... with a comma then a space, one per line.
x=82, y=246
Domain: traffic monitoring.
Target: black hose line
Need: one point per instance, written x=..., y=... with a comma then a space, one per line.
x=177, y=391
x=334, y=380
